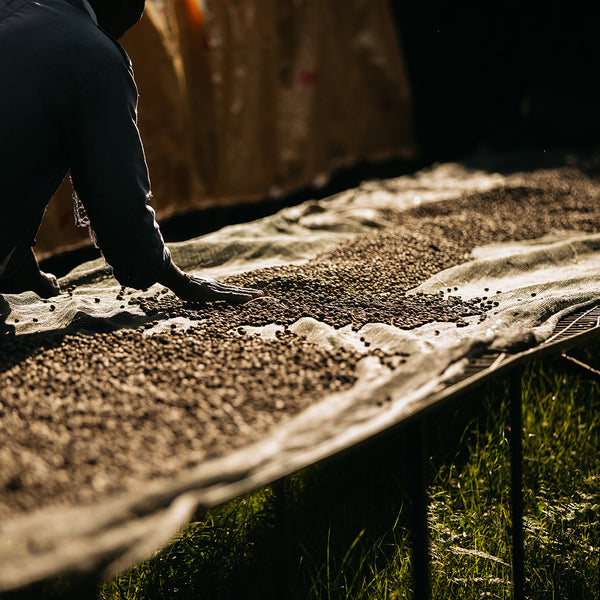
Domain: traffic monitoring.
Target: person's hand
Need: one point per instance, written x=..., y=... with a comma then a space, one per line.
x=197, y=289
x=29, y=277
x=47, y=285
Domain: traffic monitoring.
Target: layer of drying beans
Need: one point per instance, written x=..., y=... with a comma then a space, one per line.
x=82, y=416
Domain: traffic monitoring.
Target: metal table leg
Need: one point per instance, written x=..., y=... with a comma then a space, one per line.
x=516, y=455
x=284, y=539
x=418, y=489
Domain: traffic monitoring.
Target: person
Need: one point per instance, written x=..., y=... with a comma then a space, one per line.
x=68, y=102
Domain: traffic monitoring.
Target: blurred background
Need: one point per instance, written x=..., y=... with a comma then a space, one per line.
x=248, y=105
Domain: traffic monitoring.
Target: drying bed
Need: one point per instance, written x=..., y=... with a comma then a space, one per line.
x=121, y=412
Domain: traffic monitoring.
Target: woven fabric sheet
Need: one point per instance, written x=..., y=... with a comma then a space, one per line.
x=525, y=285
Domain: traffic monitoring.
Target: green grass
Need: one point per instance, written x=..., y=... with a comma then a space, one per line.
x=346, y=533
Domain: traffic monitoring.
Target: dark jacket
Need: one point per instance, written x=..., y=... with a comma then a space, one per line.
x=68, y=100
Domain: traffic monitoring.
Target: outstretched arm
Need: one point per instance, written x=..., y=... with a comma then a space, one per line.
x=109, y=172
x=110, y=175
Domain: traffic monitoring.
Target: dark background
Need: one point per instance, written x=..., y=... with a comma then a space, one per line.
x=505, y=73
